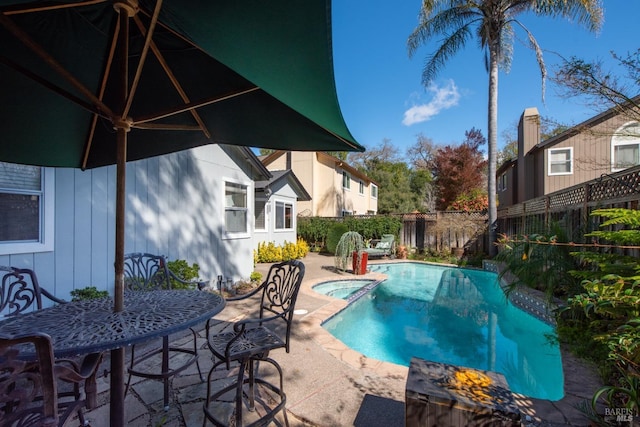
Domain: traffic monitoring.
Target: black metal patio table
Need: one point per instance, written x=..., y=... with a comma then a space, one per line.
x=90, y=326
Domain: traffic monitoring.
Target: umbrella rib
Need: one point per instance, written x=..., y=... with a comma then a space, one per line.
x=54, y=88
x=192, y=106
x=161, y=126
x=54, y=7
x=103, y=88
x=143, y=55
x=57, y=67
x=174, y=80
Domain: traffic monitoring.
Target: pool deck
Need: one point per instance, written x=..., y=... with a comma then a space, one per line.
x=328, y=384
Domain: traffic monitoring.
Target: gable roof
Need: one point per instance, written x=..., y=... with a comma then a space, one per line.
x=579, y=128
x=270, y=158
x=284, y=176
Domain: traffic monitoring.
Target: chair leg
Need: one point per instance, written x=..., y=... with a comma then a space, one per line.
x=165, y=368
x=240, y=386
x=133, y=357
x=252, y=386
x=195, y=350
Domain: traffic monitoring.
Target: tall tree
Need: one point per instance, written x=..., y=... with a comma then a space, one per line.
x=458, y=170
x=601, y=87
x=492, y=23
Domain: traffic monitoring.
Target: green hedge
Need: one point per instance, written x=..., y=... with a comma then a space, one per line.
x=317, y=229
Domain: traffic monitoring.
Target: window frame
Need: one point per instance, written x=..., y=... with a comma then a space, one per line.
x=618, y=140
x=502, y=182
x=346, y=180
x=361, y=187
x=264, y=214
x=550, y=151
x=374, y=189
x=248, y=214
x=46, y=233
x=284, y=204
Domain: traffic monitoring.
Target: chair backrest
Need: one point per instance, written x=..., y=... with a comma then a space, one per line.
x=146, y=272
x=28, y=390
x=19, y=291
x=280, y=292
x=388, y=238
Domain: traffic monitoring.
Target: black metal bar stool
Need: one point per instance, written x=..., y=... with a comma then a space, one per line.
x=249, y=344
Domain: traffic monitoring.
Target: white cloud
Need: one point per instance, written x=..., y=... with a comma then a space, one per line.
x=444, y=97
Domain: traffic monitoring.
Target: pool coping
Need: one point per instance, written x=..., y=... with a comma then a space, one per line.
x=580, y=380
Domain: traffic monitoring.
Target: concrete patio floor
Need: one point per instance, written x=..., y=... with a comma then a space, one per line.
x=327, y=384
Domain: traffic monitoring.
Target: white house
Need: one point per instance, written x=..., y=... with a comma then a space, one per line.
x=276, y=208
x=195, y=205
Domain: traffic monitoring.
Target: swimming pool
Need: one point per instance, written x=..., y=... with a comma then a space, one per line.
x=342, y=288
x=456, y=316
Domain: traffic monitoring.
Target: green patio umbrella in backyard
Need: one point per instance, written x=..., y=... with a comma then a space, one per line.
x=100, y=82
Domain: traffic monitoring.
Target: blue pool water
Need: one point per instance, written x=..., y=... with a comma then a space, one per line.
x=341, y=288
x=455, y=316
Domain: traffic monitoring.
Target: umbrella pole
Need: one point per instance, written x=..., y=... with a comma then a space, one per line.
x=125, y=11
x=117, y=417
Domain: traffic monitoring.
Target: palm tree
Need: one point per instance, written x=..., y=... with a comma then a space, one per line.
x=492, y=22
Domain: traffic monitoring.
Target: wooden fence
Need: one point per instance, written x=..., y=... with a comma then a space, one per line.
x=444, y=231
x=571, y=207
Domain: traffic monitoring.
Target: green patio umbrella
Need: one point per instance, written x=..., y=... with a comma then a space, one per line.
x=99, y=82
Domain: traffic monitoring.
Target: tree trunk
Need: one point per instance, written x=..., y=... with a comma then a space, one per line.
x=493, y=144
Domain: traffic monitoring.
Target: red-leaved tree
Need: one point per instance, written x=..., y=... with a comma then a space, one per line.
x=459, y=170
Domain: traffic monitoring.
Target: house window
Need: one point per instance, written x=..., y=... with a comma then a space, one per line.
x=235, y=208
x=346, y=180
x=347, y=213
x=260, y=214
x=284, y=216
x=374, y=191
x=625, y=147
x=502, y=182
x=561, y=161
x=361, y=188
x=27, y=204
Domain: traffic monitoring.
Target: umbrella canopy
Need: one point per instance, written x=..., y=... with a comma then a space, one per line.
x=259, y=73
x=98, y=82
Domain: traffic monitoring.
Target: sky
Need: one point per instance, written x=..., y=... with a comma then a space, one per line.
x=382, y=97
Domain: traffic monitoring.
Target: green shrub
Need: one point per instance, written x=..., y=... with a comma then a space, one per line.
x=333, y=236
x=256, y=276
x=90, y=292
x=269, y=252
x=315, y=230
x=182, y=269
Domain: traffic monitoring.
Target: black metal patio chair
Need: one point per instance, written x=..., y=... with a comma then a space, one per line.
x=20, y=292
x=146, y=272
x=29, y=389
x=250, y=343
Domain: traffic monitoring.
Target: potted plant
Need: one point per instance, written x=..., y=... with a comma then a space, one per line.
x=350, y=242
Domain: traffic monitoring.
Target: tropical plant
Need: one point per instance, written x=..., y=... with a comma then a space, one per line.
x=350, y=242
x=539, y=262
x=492, y=23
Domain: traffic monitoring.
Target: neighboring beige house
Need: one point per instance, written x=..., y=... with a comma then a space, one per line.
x=336, y=189
x=606, y=143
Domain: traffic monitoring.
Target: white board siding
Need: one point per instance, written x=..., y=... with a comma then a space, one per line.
x=174, y=208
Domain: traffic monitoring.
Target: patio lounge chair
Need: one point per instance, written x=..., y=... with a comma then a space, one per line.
x=385, y=247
